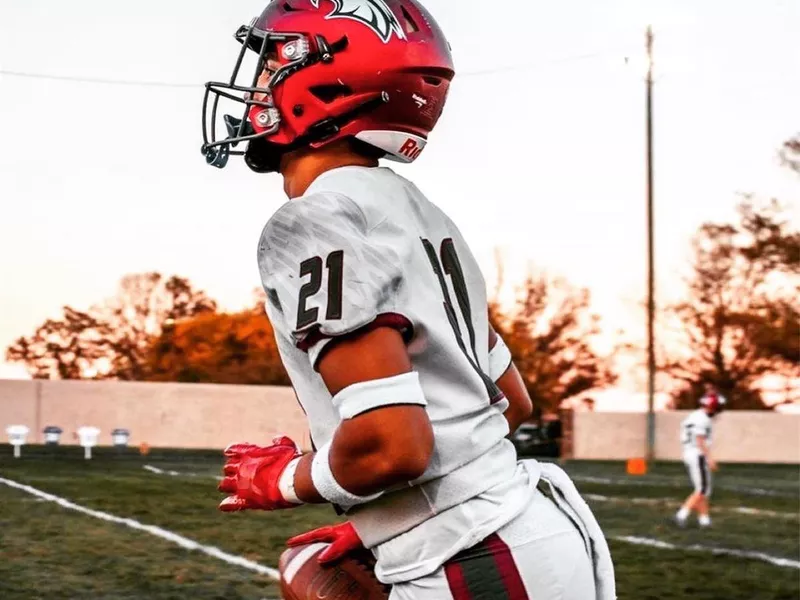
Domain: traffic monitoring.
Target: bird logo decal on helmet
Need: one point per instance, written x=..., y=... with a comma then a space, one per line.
x=375, y=14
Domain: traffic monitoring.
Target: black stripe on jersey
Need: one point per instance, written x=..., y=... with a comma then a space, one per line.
x=703, y=475
x=452, y=266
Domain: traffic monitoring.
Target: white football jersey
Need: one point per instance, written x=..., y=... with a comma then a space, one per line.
x=364, y=247
x=697, y=423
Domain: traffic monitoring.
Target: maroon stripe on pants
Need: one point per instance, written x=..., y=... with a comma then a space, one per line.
x=507, y=567
x=456, y=581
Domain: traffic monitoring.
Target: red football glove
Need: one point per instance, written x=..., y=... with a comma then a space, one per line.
x=252, y=474
x=342, y=538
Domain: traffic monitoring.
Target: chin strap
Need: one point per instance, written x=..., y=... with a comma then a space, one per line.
x=263, y=156
x=218, y=153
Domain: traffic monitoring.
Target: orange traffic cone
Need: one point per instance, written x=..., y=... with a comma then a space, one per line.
x=636, y=466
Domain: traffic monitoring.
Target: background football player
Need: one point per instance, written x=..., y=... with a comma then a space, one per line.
x=380, y=314
x=696, y=441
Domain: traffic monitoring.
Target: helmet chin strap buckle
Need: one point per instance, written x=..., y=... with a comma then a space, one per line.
x=218, y=155
x=237, y=128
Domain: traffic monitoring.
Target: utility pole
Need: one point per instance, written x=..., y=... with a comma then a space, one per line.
x=651, y=301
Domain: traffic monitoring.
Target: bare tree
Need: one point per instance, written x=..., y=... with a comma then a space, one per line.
x=110, y=340
x=739, y=316
x=549, y=331
x=137, y=314
x=235, y=348
x=790, y=153
x=67, y=348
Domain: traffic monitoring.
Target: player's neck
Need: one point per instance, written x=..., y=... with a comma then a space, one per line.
x=301, y=167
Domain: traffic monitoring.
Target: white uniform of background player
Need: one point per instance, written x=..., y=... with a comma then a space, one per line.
x=365, y=247
x=696, y=439
x=698, y=423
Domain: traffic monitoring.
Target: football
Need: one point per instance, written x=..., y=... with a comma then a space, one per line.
x=351, y=578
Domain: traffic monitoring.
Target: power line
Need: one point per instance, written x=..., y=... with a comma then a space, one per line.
x=167, y=84
x=541, y=64
x=99, y=80
x=667, y=78
x=622, y=52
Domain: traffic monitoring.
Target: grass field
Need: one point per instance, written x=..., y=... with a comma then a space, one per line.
x=49, y=550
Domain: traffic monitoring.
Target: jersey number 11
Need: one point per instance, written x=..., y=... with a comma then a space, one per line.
x=451, y=266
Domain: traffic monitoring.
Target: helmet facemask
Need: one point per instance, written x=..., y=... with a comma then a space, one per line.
x=294, y=51
x=258, y=104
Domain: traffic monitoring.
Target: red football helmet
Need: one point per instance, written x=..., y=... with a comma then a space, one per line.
x=374, y=70
x=714, y=402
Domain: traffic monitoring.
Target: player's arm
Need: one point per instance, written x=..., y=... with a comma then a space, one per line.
x=509, y=380
x=701, y=444
x=381, y=447
x=705, y=451
x=385, y=437
x=333, y=285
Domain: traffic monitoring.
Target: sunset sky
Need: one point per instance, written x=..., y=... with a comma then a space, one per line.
x=540, y=151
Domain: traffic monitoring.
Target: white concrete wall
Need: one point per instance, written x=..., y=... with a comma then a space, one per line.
x=739, y=436
x=211, y=416
x=18, y=404
x=608, y=436
x=160, y=414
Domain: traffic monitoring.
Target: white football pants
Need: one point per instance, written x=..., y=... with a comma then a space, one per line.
x=540, y=555
x=699, y=473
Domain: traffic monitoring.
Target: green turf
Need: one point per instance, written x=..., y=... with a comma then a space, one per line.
x=47, y=551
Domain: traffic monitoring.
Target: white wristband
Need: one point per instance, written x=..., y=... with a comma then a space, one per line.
x=499, y=359
x=328, y=487
x=286, y=482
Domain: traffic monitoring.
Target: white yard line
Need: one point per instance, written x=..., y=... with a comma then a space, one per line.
x=587, y=479
x=158, y=471
x=744, y=510
x=669, y=482
x=240, y=561
x=599, y=498
x=653, y=543
x=164, y=534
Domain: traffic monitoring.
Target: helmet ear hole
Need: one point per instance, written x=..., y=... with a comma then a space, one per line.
x=409, y=24
x=328, y=93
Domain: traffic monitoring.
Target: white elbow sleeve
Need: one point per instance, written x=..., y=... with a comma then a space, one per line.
x=369, y=395
x=499, y=359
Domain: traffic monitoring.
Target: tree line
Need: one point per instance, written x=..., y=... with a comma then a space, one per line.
x=738, y=321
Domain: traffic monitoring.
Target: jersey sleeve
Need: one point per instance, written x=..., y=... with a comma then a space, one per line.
x=327, y=275
x=701, y=424
x=705, y=426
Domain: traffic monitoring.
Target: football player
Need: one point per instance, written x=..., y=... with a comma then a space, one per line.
x=696, y=441
x=380, y=315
